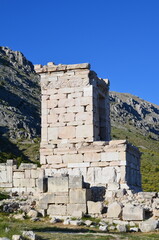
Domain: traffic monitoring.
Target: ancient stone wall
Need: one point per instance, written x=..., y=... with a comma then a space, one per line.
x=76, y=129
x=24, y=179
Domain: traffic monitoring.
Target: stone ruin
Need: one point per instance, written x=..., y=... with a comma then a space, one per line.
x=82, y=170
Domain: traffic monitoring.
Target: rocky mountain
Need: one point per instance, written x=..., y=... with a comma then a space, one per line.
x=131, y=118
x=19, y=104
x=127, y=109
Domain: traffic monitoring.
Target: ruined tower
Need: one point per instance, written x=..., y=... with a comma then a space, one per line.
x=76, y=129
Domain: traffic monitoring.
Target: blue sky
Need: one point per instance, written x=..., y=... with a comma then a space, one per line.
x=120, y=38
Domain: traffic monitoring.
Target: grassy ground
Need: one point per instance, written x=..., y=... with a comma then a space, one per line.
x=48, y=231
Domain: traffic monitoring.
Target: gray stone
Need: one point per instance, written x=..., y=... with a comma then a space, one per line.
x=29, y=234
x=74, y=209
x=94, y=207
x=134, y=229
x=75, y=181
x=16, y=237
x=148, y=226
x=4, y=238
x=57, y=210
x=88, y=223
x=121, y=228
x=32, y=213
x=42, y=184
x=131, y=213
x=114, y=210
x=66, y=222
x=76, y=222
x=104, y=228
x=58, y=184
x=79, y=196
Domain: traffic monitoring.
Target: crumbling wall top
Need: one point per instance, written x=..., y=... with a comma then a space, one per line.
x=52, y=67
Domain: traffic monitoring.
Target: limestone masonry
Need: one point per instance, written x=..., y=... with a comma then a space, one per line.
x=76, y=129
x=82, y=169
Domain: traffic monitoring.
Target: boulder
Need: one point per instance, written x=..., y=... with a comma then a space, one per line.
x=121, y=228
x=104, y=228
x=149, y=225
x=16, y=237
x=29, y=235
x=133, y=213
x=32, y=213
x=114, y=210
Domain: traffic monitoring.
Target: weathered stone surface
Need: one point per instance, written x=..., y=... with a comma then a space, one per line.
x=94, y=207
x=57, y=210
x=121, y=228
x=75, y=181
x=131, y=213
x=58, y=184
x=114, y=210
x=73, y=209
x=148, y=226
x=79, y=195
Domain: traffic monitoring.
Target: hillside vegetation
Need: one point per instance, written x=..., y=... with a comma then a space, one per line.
x=19, y=107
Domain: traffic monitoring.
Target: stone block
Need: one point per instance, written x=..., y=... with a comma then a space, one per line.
x=92, y=157
x=113, y=186
x=75, y=181
x=3, y=176
x=18, y=174
x=84, y=131
x=61, y=198
x=57, y=210
x=67, y=117
x=72, y=209
x=94, y=207
x=114, y=210
x=71, y=158
x=78, y=165
x=54, y=159
x=27, y=173
x=80, y=196
x=52, y=133
x=34, y=173
x=24, y=166
x=58, y=184
x=148, y=226
x=67, y=132
x=42, y=184
x=133, y=213
x=75, y=109
x=109, y=156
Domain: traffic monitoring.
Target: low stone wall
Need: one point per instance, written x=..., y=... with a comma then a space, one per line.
x=23, y=179
x=100, y=163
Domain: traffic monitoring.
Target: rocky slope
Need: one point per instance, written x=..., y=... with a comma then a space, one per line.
x=129, y=110
x=19, y=96
x=19, y=105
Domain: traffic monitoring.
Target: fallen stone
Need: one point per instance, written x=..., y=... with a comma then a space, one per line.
x=148, y=225
x=121, y=228
x=88, y=223
x=32, y=213
x=76, y=222
x=55, y=220
x=16, y=237
x=4, y=238
x=66, y=222
x=114, y=210
x=29, y=234
x=134, y=229
x=132, y=213
x=103, y=228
